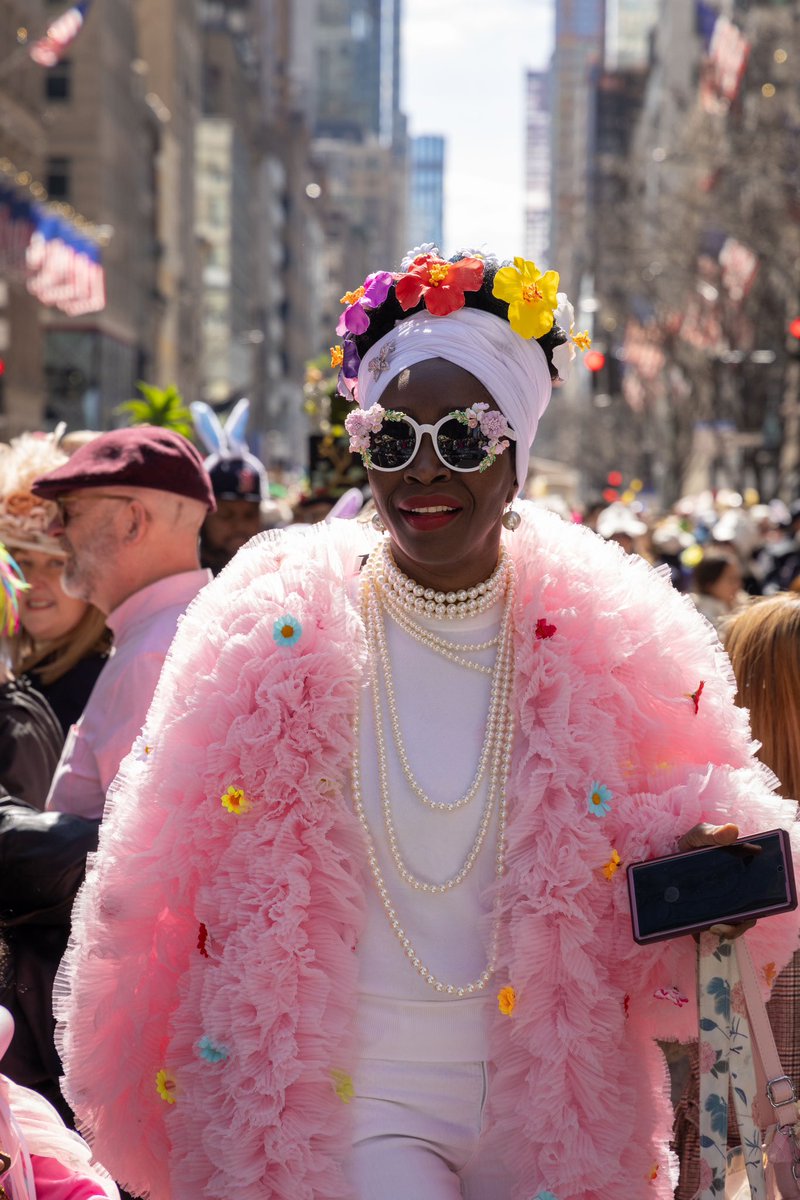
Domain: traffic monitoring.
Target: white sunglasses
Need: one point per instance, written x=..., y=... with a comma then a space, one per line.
x=459, y=445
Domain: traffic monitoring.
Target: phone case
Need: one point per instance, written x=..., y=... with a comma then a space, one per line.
x=695, y=874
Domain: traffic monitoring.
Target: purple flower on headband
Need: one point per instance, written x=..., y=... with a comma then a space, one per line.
x=349, y=370
x=372, y=292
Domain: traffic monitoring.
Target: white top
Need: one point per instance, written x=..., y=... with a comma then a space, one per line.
x=442, y=709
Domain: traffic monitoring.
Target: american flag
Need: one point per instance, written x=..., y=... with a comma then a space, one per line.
x=48, y=50
x=729, y=52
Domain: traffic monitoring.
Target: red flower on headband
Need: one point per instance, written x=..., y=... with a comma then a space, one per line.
x=440, y=284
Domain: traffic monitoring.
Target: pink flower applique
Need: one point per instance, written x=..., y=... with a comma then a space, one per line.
x=673, y=995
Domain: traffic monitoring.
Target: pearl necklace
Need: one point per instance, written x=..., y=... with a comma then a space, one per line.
x=499, y=778
x=454, y=606
x=442, y=646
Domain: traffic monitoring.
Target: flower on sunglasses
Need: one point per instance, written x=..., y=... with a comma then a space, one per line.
x=599, y=800
x=531, y=296
x=371, y=294
x=440, y=284
x=492, y=424
x=360, y=423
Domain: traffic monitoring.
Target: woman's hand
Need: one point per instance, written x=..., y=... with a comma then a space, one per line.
x=716, y=835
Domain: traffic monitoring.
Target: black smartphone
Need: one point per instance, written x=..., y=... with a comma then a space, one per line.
x=682, y=893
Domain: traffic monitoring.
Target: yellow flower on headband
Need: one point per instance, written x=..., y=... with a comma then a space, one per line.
x=530, y=295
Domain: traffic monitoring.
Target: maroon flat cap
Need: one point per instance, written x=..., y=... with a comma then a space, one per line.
x=144, y=456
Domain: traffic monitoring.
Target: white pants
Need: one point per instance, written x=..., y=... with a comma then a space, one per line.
x=417, y=1130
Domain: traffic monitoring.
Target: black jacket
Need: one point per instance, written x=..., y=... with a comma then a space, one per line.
x=42, y=863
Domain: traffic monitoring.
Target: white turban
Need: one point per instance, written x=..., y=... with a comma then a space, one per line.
x=513, y=369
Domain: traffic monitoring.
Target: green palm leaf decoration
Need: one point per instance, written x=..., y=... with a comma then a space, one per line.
x=159, y=406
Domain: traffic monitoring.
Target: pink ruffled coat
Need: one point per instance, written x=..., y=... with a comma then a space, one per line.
x=198, y=923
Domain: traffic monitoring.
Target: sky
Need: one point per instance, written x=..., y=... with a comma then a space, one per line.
x=464, y=64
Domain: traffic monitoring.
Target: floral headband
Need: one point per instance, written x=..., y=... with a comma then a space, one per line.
x=534, y=304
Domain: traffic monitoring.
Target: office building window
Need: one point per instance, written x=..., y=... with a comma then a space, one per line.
x=57, y=181
x=58, y=81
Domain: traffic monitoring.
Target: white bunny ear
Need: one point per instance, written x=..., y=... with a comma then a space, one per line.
x=208, y=427
x=236, y=427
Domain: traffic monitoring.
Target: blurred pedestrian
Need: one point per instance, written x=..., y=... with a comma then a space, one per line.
x=763, y=643
x=63, y=642
x=30, y=738
x=239, y=481
x=717, y=586
x=130, y=505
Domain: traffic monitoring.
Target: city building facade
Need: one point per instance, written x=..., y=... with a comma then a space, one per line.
x=426, y=190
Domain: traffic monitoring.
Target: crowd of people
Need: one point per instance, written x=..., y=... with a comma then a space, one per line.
x=358, y=784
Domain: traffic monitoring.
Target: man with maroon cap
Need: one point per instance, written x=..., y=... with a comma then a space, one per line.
x=131, y=504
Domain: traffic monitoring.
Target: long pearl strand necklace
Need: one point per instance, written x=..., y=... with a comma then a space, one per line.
x=444, y=647
x=500, y=759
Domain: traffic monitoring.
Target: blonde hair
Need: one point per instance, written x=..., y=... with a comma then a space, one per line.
x=763, y=643
x=89, y=636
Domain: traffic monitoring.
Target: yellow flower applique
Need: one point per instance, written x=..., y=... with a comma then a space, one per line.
x=234, y=799
x=165, y=1086
x=507, y=1001
x=612, y=866
x=343, y=1086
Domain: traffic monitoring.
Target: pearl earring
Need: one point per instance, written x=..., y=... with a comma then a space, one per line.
x=377, y=522
x=511, y=520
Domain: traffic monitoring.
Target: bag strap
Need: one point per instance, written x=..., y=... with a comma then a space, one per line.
x=726, y=1061
x=775, y=1088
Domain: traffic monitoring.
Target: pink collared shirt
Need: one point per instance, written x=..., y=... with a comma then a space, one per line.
x=143, y=627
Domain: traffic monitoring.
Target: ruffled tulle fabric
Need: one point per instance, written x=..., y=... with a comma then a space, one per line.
x=199, y=923
x=202, y=932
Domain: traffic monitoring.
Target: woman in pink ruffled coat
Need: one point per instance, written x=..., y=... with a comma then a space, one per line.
x=358, y=925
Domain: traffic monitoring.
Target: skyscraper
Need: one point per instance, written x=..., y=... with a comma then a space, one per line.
x=426, y=191
x=537, y=167
x=579, y=42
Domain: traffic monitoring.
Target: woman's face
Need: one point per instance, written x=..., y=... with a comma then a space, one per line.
x=46, y=612
x=444, y=525
x=728, y=586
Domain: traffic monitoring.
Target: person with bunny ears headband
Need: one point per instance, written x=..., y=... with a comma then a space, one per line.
x=239, y=481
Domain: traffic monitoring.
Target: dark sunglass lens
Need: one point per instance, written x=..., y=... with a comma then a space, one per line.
x=393, y=446
x=460, y=446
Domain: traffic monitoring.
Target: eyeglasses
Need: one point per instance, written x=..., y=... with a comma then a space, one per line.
x=459, y=445
x=65, y=513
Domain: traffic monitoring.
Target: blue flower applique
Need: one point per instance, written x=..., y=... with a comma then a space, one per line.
x=599, y=799
x=287, y=631
x=212, y=1051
